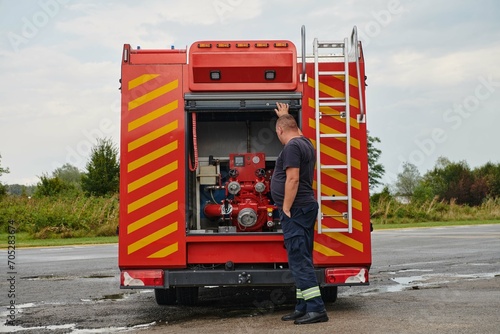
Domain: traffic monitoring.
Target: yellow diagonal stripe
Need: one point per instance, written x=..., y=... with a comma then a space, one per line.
x=330, y=91
x=153, y=94
x=329, y=110
x=337, y=155
x=342, y=238
x=325, y=250
x=152, y=156
x=153, y=135
x=153, y=115
x=152, y=238
x=356, y=224
x=165, y=251
x=326, y=129
x=152, y=197
x=343, y=178
x=152, y=176
x=140, y=80
x=353, y=81
x=327, y=191
x=152, y=217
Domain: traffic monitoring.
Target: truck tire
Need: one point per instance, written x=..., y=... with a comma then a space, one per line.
x=187, y=296
x=165, y=296
x=329, y=293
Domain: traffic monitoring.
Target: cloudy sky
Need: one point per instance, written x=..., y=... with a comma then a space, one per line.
x=433, y=70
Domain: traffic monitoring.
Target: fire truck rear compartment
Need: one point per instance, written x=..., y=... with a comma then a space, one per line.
x=233, y=145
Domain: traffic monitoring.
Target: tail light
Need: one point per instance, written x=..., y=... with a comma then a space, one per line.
x=148, y=277
x=348, y=275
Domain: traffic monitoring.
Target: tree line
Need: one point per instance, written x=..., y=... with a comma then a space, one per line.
x=68, y=202
x=100, y=178
x=452, y=182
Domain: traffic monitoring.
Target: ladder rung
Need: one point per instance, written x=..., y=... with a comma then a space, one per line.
x=341, y=114
x=334, y=198
x=333, y=135
x=328, y=230
x=333, y=167
x=324, y=56
x=331, y=44
x=331, y=73
x=331, y=99
x=332, y=104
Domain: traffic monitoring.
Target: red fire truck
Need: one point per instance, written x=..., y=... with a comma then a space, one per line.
x=198, y=148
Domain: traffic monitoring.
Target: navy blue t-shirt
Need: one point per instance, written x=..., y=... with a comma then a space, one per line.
x=297, y=153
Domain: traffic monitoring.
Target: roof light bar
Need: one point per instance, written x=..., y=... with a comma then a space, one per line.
x=261, y=45
x=242, y=45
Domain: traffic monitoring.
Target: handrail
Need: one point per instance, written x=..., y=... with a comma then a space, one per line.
x=355, y=45
x=303, y=77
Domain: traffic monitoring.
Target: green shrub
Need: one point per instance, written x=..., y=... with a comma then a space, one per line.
x=61, y=217
x=388, y=210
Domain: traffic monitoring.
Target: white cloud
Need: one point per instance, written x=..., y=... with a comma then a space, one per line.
x=410, y=67
x=152, y=24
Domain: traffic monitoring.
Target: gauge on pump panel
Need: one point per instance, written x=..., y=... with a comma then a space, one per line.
x=239, y=161
x=261, y=172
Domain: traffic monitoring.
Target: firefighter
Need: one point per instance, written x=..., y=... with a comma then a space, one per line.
x=292, y=192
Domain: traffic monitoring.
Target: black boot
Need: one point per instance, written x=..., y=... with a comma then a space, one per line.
x=311, y=318
x=292, y=316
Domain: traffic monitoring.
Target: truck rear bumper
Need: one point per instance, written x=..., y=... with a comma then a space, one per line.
x=252, y=277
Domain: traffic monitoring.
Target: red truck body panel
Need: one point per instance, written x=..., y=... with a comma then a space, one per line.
x=161, y=217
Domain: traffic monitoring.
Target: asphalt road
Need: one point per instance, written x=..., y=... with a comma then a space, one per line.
x=431, y=280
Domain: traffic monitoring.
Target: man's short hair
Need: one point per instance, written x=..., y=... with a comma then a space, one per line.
x=287, y=122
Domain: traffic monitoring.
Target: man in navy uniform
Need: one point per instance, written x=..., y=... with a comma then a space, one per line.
x=292, y=192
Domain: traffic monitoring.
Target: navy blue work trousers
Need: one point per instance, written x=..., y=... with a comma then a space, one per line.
x=298, y=232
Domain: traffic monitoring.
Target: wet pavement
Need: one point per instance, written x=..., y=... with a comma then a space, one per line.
x=446, y=279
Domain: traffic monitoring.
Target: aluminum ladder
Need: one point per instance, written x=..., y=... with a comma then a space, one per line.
x=342, y=103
